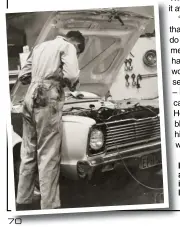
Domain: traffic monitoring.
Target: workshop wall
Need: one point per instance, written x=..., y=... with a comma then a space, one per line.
x=22, y=29
x=33, y=29
x=16, y=41
x=148, y=85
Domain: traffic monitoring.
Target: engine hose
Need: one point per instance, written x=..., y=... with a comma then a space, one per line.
x=127, y=169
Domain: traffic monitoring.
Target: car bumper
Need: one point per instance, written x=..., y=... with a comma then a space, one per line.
x=86, y=169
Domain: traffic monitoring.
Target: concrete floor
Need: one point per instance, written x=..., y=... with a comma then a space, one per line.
x=116, y=188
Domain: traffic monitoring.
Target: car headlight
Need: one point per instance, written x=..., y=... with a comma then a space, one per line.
x=96, y=139
x=149, y=58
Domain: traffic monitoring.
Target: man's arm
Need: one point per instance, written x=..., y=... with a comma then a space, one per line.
x=25, y=73
x=70, y=67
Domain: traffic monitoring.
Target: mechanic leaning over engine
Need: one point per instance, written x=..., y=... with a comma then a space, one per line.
x=50, y=67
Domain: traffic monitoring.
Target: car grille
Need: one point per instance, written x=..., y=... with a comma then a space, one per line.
x=131, y=132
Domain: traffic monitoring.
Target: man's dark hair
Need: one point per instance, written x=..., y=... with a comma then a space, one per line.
x=77, y=36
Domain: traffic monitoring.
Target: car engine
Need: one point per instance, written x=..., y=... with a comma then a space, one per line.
x=107, y=114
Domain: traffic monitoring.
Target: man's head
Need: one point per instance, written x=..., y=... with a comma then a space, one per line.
x=77, y=39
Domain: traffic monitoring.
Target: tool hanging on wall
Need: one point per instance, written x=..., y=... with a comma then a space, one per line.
x=139, y=77
x=150, y=59
x=146, y=76
x=136, y=79
x=127, y=80
x=128, y=64
x=143, y=76
x=133, y=76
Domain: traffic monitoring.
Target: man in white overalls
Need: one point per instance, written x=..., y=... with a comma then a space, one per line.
x=48, y=67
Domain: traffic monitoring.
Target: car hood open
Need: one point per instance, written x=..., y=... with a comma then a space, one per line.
x=110, y=36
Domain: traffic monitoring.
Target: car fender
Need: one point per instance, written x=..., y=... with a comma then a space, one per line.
x=74, y=142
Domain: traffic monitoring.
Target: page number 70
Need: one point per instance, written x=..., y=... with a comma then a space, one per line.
x=15, y=220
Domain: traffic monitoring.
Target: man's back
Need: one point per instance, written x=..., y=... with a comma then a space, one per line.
x=46, y=58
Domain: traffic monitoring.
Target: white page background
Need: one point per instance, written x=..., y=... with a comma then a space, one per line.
x=119, y=218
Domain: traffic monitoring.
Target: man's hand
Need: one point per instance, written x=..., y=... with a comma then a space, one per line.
x=71, y=87
x=75, y=86
x=66, y=83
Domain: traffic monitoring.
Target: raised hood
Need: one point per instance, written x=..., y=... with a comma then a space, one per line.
x=110, y=35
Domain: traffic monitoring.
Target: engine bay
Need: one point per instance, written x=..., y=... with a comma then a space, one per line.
x=107, y=113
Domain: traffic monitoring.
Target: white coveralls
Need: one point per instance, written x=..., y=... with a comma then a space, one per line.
x=48, y=63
